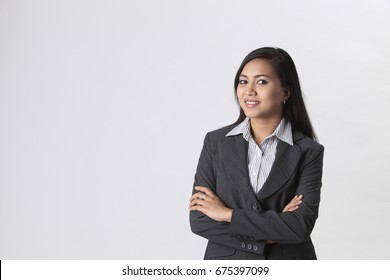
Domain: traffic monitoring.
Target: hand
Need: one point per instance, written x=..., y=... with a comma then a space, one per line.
x=209, y=204
x=293, y=204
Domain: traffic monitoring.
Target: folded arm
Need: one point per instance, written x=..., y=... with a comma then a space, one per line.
x=211, y=219
x=287, y=227
x=201, y=224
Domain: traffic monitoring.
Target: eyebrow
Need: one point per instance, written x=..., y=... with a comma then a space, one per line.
x=257, y=76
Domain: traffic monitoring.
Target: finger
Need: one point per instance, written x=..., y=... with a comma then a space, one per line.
x=198, y=195
x=197, y=208
x=295, y=200
x=293, y=208
x=292, y=205
x=295, y=203
x=194, y=196
x=197, y=202
x=206, y=190
x=292, y=200
x=194, y=208
x=290, y=209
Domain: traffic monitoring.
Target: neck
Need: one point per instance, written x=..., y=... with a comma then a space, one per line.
x=261, y=128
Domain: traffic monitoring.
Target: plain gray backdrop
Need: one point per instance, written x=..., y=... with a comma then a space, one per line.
x=104, y=106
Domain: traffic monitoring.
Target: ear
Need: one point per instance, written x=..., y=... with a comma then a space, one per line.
x=287, y=94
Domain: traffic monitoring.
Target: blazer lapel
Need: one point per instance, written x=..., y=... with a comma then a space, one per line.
x=286, y=160
x=234, y=160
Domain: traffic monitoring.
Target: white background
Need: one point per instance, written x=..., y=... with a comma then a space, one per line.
x=104, y=106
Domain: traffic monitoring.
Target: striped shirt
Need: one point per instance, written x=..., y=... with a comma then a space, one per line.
x=261, y=157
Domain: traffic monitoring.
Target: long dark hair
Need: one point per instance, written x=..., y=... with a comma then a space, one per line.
x=294, y=109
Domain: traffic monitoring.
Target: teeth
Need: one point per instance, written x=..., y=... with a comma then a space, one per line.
x=251, y=102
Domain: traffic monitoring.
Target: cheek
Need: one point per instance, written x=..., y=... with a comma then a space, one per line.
x=275, y=96
x=239, y=94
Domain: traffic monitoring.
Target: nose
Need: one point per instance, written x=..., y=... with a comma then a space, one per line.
x=250, y=90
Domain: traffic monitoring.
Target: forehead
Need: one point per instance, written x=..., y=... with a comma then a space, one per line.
x=258, y=66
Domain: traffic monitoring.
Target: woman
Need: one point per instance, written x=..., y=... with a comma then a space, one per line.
x=257, y=185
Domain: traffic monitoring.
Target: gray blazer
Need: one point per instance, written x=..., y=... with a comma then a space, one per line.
x=258, y=217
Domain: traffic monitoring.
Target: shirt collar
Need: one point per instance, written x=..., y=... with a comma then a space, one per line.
x=283, y=131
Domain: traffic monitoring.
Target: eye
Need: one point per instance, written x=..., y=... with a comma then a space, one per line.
x=262, y=82
x=242, y=82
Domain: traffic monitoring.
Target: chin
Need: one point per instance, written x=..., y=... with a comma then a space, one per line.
x=252, y=115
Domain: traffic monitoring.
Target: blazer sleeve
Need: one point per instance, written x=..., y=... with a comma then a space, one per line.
x=202, y=225
x=287, y=227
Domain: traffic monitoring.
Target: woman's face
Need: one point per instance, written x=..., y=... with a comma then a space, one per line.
x=259, y=90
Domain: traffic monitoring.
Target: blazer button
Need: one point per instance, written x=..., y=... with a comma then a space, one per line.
x=249, y=246
x=255, y=248
x=243, y=245
x=255, y=206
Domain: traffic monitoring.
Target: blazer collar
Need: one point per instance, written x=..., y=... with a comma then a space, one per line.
x=234, y=159
x=286, y=160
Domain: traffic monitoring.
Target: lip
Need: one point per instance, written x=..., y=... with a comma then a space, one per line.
x=251, y=103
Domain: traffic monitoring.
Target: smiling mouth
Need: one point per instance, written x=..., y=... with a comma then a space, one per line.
x=252, y=102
